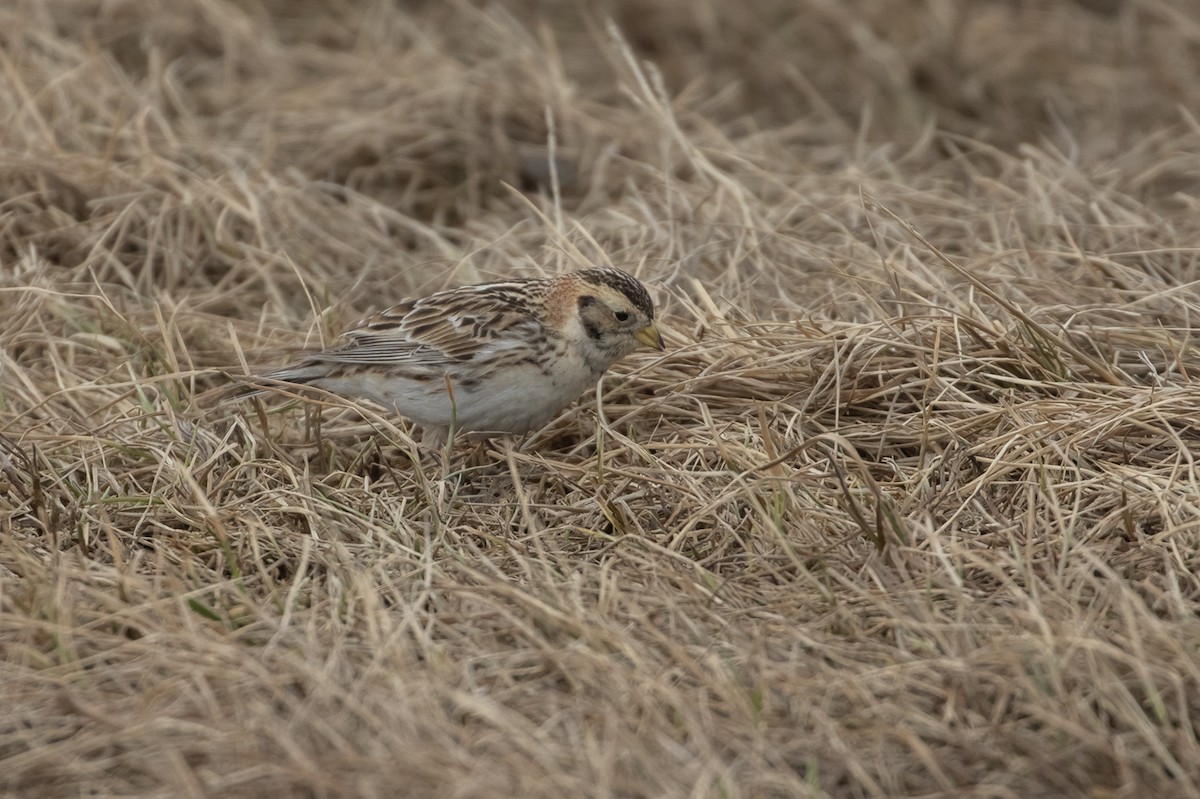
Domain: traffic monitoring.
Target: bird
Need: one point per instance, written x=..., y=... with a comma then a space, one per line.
x=492, y=358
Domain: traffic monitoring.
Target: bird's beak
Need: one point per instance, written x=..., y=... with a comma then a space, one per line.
x=650, y=337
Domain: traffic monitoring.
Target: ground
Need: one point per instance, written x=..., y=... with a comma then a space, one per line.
x=908, y=507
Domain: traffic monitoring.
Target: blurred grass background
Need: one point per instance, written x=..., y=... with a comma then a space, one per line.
x=908, y=508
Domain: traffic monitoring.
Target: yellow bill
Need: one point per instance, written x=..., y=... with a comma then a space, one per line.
x=650, y=337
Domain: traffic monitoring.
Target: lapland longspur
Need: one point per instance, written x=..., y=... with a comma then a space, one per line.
x=491, y=358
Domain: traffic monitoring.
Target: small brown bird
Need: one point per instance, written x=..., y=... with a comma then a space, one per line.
x=500, y=357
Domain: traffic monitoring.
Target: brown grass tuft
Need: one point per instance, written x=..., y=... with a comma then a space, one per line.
x=909, y=507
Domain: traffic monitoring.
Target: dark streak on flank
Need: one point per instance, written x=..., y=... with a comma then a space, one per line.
x=540, y=361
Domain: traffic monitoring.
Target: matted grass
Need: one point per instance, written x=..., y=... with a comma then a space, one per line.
x=909, y=507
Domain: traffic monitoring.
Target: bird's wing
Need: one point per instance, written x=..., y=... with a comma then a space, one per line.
x=438, y=330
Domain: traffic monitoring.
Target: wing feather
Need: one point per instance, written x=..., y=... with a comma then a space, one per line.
x=449, y=327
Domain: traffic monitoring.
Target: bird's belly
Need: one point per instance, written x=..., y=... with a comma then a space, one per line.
x=518, y=399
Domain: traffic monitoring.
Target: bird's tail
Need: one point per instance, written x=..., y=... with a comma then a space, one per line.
x=246, y=386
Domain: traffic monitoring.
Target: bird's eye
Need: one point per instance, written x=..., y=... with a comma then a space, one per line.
x=621, y=316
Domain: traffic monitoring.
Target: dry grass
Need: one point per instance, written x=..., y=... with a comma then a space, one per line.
x=910, y=506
